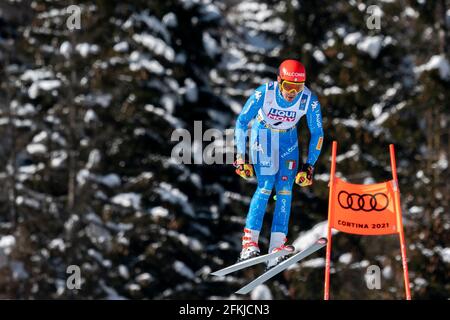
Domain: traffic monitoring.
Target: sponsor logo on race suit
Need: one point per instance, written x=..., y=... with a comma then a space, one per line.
x=258, y=95
x=257, y=147
x=283, y=205
x=284, y=191
x=319, y=143
x=318, y=122
x=289, y=150
x=265, y=163
x=281, y=115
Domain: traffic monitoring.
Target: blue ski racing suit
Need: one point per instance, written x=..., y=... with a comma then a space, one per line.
x=274, y=147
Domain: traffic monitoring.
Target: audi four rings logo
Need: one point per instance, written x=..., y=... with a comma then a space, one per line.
x=365, y=202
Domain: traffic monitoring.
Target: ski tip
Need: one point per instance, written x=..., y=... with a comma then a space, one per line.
x=242, y=291
x=322, y=240
x=216, y=273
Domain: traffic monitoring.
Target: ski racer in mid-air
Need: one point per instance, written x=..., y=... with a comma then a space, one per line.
x=276, y=108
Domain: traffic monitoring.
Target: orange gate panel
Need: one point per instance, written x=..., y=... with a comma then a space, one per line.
x=364, y=209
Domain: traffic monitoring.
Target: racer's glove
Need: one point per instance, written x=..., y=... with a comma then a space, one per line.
x=245, y=170
x=304, y=177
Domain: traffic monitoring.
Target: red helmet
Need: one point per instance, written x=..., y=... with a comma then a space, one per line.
x=292, y=70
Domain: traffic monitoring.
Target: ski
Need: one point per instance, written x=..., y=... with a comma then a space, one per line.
x=320, y=243
x=253, y=261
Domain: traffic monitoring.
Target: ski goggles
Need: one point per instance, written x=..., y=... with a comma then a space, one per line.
x=292, y=87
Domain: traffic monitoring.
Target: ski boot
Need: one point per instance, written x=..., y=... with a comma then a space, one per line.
x=250, y=248
x=273, y=262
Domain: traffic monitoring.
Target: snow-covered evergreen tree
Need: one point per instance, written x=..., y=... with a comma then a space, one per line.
x=87, y=116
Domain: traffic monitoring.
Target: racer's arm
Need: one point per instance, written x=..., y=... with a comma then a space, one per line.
x=314, y=120
x=248, y=112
